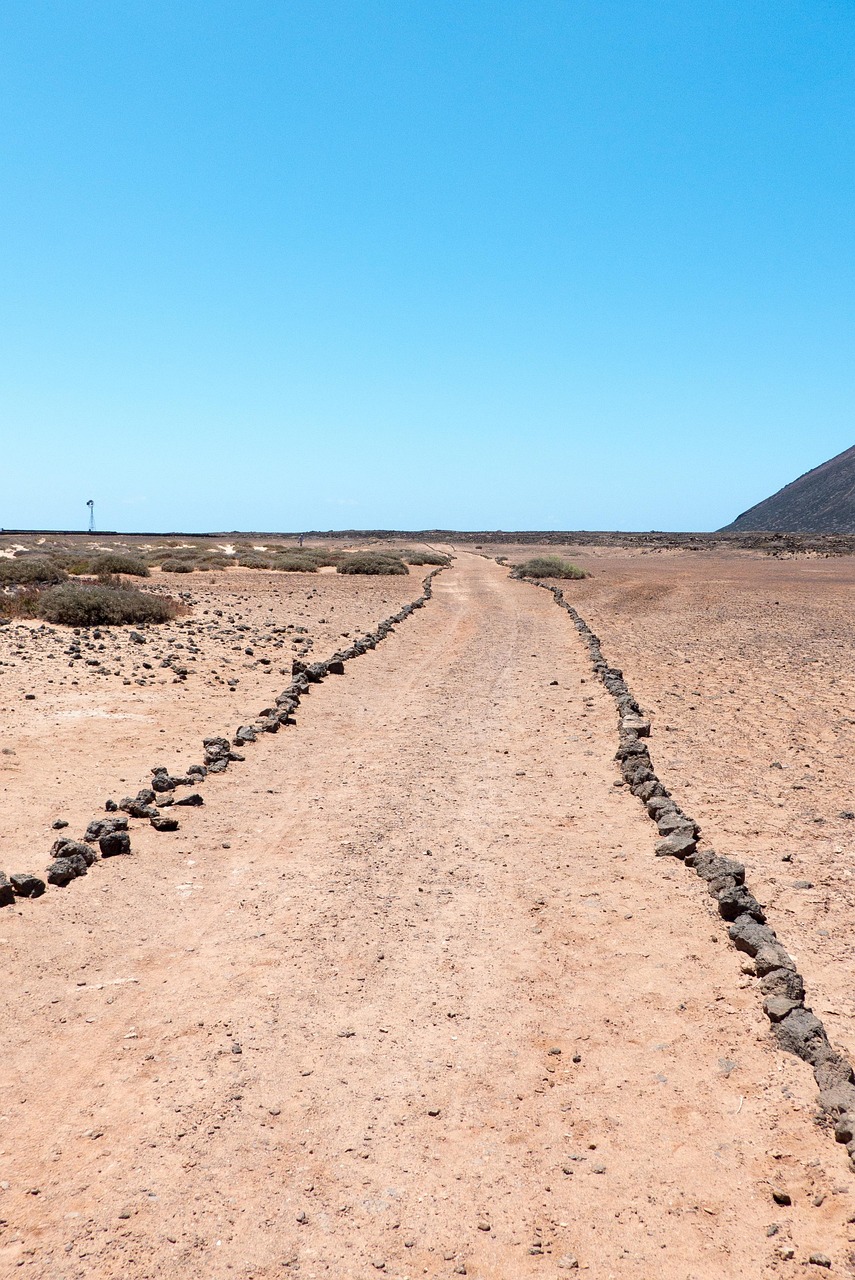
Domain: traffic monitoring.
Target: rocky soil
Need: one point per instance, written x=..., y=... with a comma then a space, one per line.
x=410, y=994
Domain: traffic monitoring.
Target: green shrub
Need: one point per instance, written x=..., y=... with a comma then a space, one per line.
x=77, y=604
x=547, y=567
x=19, y=572
x=372, y=562
x=255, y=560
x=295, y=562
x=112, y=562
x=178, y=566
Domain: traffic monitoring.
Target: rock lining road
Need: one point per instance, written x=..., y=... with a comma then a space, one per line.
x=316, y=1037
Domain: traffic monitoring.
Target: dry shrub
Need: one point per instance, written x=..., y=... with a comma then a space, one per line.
x=424, y=557
x=372, y=562
x=113, y=562
x=178, y=566
x=20, y=604
x=548, y=567
x=77, y=604
x=255, y=560
x=30, y=570
x=295, y=562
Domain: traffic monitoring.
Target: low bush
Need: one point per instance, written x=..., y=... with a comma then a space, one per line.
x=295, y=562
x=77, y=604
x=20, y=572
x=112, y=562
x=548, y=567
x=372, y=562
x=255, y=560
x=178, y=566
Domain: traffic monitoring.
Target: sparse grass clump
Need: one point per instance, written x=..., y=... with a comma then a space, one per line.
x=78, y=604
x=23, y=603
x=30, y=570
x=548, y=567
x=372, y=562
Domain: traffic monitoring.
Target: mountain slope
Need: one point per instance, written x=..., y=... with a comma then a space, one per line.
x=820, y=501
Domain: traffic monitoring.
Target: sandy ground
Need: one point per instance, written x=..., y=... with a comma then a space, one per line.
x=409, y=996
x=99, y=723
x=747, y=667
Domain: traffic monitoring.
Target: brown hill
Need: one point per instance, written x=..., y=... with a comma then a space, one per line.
x=820, y=501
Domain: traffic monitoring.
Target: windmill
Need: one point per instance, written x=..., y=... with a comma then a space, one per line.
x=91, y=505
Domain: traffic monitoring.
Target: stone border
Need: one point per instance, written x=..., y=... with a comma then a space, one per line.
x=796, y=1027
x=73, y=858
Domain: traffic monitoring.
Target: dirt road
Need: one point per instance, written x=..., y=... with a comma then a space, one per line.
x=409, y=996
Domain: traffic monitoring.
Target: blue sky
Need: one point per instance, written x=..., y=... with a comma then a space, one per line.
x=530, y=264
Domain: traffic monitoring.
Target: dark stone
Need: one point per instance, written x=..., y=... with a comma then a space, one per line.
x=197, y=771
x=801, y=1033
x=190, y=802
x=7, y=892
x=245, y=734
x=162, y=823
x=785, y=983
x=748, y=935
x=74, y=849
x=844, y=1130
x=838, y=1100
x=833, y=1071
x=103, y=826
x=111, y=806
x=26, y=885
x=59, y=825
x=61, y=872
x=676, y=845
x=114, y=844
x=215, y=749
x=675, y=821
x=647, y=790
x=162, y=781
x=335, y=667
x=736, y=901
x=218, y=766
x=772, y=956
x=709, y=866
x=658, y=805
x=133, y=807
x=777, y=1007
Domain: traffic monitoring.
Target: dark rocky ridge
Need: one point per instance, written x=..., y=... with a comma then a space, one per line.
x=820, y=501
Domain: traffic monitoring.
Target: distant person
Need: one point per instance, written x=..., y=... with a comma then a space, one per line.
x=301, y=539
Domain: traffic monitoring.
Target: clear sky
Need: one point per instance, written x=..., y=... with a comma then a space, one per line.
x=505, y=264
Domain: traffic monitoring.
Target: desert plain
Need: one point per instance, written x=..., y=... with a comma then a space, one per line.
x=410, y=994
